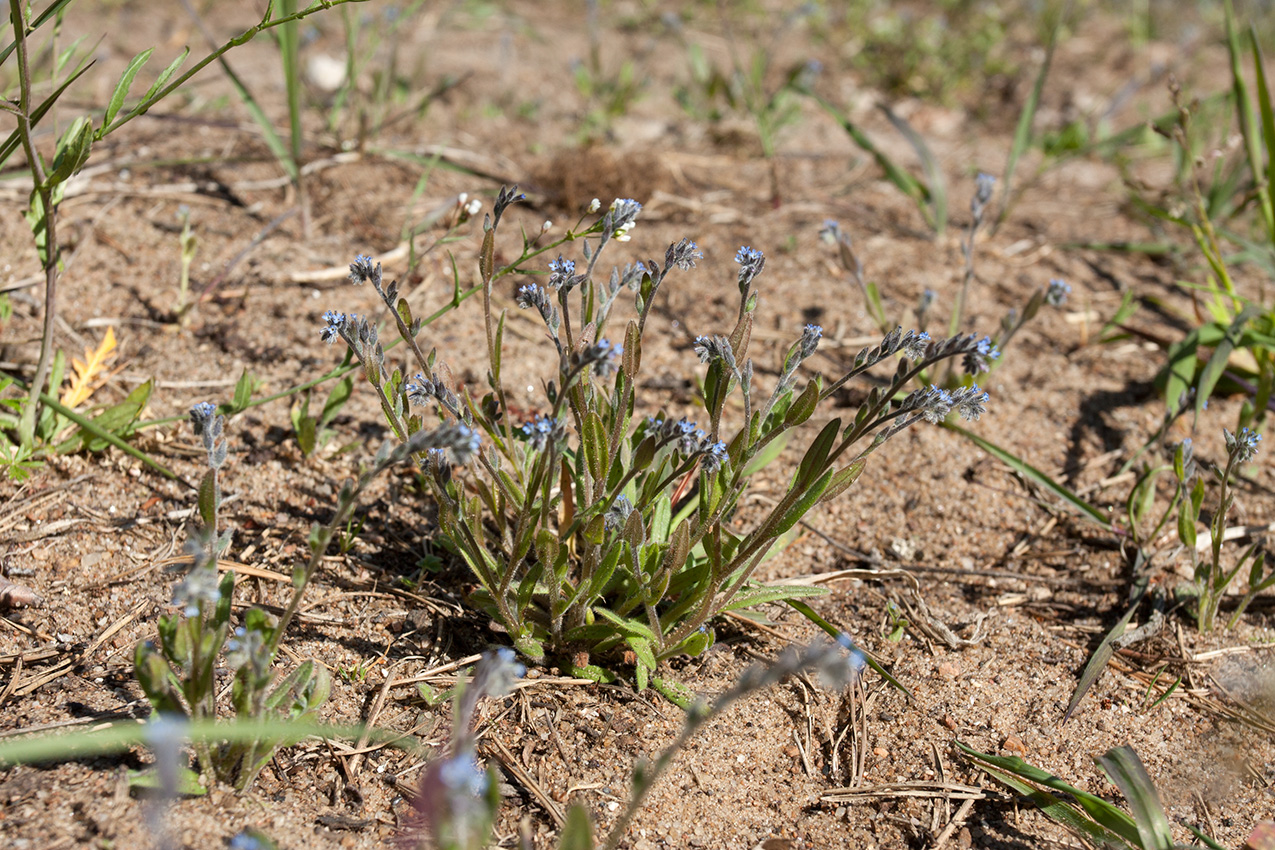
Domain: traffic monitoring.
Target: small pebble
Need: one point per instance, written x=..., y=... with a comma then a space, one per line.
x=1014, y=745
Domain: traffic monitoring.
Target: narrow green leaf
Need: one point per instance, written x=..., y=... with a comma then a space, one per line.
x=1034, y=474
x=577, y=832
x=760, y=595
x=1125, y=769
x=1098, y=661
x=125, y=83
x=812, y=464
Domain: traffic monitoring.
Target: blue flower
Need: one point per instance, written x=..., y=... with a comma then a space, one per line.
x=1242, y=446
x=810, y=336
x=1056, y=294
x=335, y=322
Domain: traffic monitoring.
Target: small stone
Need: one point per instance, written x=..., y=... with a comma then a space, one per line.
x=963, y=839
x=1014, y=745
x=881, y=752
x=949, y=669
x=949, y=721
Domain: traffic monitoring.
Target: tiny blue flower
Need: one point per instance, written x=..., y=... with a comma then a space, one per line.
x=1056, y=294
x=332, y=330
x=1243, y=445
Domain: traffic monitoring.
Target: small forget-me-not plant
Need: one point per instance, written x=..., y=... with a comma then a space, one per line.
x=987, y=352
x=177, y=673
x=600, y=530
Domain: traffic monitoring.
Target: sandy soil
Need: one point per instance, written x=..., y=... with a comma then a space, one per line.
x=90, y=532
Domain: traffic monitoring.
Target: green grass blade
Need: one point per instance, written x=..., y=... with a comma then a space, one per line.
x=1212, y=372
x=933, y=171
x=904, y=182
x=1032, y=473
x=54, y=9
x=1107, y=648
x=25, y=749
x=809, y=613
x=1052, y=807
x=290, y=54
x=1243, y=105
x=1023, y=132
x=1101, y=812
x=1125, y=769
x=1267, y=112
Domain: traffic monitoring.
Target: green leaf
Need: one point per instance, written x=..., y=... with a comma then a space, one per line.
x=761, y=594
x=1098, y=661
x=188, y=784
x=625, y=626
x=642, y=649
x=125, y=83
x=72, y=151
x=1213, y=370
x=208, y=499
x=1125, y=769
x=337, y=398
x=843, y=479
x=804, y=405
x=817, y=454
x=1034, y=474
x=803, y=505
x=595, y=445
x=1012, y=771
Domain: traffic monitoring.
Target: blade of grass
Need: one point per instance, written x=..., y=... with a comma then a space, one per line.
x=838, y=634
x=1102, y=812
x=1107, y=648
x=1267, y=113
x=1033, y=474
x=1023, y=132
x=1052, y=807
x=904, y=182
x=268, y=132
x=933, y=173
x=1124, y=768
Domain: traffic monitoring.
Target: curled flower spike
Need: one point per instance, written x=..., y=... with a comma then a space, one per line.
x=810, y=336
x=362, y=271
x=831, y=231
x=984, y=185
x=915, y=345
x=1056, y=294
x=970, y=402
x=979, y=357
x=683, y=255
x=332, y=330
x=199, y=586
x=751, y=262
x=1242, y=446
x=620, y=219
x=710, y=348
x=713, y=455
x=208, y=427
x=562, y=274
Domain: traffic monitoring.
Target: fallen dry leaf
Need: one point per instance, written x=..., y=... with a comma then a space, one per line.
x=13, y=594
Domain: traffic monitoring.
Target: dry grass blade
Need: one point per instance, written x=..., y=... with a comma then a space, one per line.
x=516, y=770
x=918, y=788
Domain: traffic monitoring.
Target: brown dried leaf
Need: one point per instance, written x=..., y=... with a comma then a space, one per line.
x=13, y=595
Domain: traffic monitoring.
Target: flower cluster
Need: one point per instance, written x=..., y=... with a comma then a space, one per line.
x=710, y=348
x=620, y=219
x=601, y=357
x=460, y=441
x=542, y=432
x=619, y=513
x=1243, y=445
x=421, y=390
x=532, y=295
x=979, y=356
x=751, y=262
x=688, y=440
x=934, y=404
x=208, y=427
x=1056, y=294
x=985, y=184
x=562, y=275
